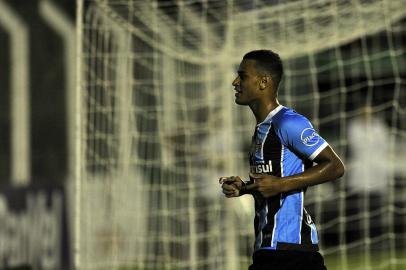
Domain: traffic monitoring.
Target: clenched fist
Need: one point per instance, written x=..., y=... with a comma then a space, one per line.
x=232, y=186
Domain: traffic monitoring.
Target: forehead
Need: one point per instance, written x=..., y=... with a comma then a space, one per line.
x=247, y=66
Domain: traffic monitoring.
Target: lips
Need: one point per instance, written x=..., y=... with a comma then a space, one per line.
x=238, y=92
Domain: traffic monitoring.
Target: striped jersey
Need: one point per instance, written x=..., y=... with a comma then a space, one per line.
x=284, y=144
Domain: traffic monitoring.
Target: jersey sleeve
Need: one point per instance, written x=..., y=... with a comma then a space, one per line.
x=298, y=134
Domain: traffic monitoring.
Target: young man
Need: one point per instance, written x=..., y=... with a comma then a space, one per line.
x=284, y=147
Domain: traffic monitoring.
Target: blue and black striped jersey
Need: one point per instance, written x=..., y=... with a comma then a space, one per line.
x=284, y=144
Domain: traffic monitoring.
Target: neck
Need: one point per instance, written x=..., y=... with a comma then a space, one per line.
x=261, y=109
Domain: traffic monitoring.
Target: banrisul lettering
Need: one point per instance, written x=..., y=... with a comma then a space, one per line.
x=262, y=168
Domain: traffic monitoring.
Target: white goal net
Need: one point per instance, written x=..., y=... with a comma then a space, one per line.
x=159, y=127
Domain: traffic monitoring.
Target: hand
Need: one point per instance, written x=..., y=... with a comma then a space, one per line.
x=231, y=186
x=267, y=185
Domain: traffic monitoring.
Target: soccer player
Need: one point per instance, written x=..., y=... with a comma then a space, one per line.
x=283, y=150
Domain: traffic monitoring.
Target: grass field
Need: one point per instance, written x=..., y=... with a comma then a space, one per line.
x=376, y=260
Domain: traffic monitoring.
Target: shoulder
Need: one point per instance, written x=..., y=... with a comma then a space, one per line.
x=297, y=133
x=288, y=119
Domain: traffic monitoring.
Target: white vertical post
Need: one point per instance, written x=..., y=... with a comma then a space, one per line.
x=78, y=137
x=20, y=106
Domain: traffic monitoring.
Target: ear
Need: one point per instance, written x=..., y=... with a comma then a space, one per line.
x=265, y=82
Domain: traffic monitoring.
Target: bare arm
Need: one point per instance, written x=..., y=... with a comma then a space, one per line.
x=329, y=167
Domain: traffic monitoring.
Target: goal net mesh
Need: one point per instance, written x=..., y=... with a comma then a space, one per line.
x=159, y=126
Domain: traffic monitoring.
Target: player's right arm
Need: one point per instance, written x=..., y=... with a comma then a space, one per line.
x=233, y=186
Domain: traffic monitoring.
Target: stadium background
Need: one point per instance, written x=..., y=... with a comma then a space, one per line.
x=153, y=117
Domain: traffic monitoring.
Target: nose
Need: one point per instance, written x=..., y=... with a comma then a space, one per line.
x=236, y=81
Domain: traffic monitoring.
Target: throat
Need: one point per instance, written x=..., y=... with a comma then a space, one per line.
x=261, y=111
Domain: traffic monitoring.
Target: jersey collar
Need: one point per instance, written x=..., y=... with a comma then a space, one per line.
x=271, y=114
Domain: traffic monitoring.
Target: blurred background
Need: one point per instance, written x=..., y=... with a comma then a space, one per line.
x=117, y=118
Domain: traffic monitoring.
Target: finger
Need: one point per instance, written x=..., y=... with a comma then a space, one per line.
x=228, y=192
x=253, y=186
x=228, y=187
x=257, y=176
x=228, y=180
x=233, y=194
x=221, y=179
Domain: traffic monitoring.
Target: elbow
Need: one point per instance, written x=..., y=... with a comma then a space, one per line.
x=340, y=169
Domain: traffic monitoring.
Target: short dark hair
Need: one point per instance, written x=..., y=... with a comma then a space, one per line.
x=267, y=62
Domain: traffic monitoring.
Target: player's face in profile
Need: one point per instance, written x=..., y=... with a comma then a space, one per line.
x=246, y=83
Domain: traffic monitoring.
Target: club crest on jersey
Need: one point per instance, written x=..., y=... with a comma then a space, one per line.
x=309, y=137
x=261, y=168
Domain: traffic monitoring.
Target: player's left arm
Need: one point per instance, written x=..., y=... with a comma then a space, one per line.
x=329, y=167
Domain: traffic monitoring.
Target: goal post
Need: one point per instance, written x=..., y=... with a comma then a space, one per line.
x=159, y=127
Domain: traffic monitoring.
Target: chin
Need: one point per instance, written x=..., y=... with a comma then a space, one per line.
x=240, y=102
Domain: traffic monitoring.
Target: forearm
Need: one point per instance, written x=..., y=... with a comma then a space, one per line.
x=322, y=172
